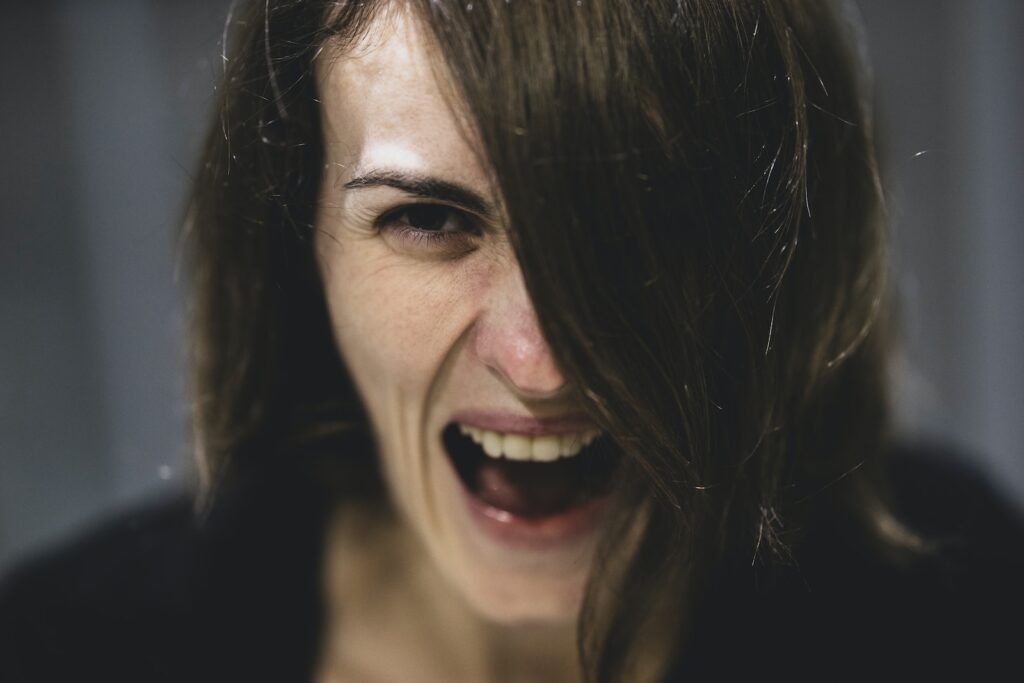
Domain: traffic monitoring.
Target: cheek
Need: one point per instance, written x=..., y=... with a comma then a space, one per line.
x=395, y=321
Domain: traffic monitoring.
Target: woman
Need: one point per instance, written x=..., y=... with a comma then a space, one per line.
x=532, y=341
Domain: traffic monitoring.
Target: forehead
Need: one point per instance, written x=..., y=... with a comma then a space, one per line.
x=384, y=103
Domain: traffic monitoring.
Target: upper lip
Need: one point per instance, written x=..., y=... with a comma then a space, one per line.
x=527, y=425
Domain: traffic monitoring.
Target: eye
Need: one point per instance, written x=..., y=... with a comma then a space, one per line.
x=430, y=225
x=429, y=217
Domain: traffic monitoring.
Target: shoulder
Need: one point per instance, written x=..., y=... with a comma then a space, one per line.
x=87, y=605
x=951, y=502
x=90, y=603
x=160, y=594
x=843, y=607
x=953, y=603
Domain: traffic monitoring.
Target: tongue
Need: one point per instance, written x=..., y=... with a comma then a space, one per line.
x=528, y=489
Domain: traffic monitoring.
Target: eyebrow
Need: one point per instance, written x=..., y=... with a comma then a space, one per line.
x=425, y=186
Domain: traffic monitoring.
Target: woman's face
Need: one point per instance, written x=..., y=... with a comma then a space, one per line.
x=432, y=319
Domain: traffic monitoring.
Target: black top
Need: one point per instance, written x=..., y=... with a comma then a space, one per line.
x=156, y=596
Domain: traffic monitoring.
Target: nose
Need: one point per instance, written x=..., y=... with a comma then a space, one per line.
x=509, y=342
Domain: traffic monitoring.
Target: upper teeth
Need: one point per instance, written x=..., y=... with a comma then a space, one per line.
x=521, y=447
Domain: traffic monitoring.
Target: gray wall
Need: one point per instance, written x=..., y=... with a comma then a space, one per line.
x=104, y=102
x=950, y=95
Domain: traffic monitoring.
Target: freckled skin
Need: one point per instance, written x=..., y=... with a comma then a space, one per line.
x=425, y=333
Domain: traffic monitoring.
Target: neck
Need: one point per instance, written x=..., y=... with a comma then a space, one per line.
x=390, y=616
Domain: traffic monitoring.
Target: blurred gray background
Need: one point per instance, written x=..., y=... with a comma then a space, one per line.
x=104, y=105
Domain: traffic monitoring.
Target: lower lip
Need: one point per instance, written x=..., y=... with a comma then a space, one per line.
x=536, y=533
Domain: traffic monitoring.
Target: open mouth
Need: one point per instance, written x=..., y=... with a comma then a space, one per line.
x=531, y=477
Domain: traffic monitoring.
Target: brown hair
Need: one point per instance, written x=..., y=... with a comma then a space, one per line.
x=694, y=202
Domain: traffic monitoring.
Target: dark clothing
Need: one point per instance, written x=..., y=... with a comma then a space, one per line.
x=157, y=596
x=845, y=613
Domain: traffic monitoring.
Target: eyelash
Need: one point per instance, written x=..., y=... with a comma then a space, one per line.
x=388, y=221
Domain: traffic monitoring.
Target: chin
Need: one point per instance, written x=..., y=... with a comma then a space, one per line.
x=512, y=601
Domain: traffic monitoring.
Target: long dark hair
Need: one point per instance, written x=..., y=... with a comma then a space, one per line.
x=694, y=202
